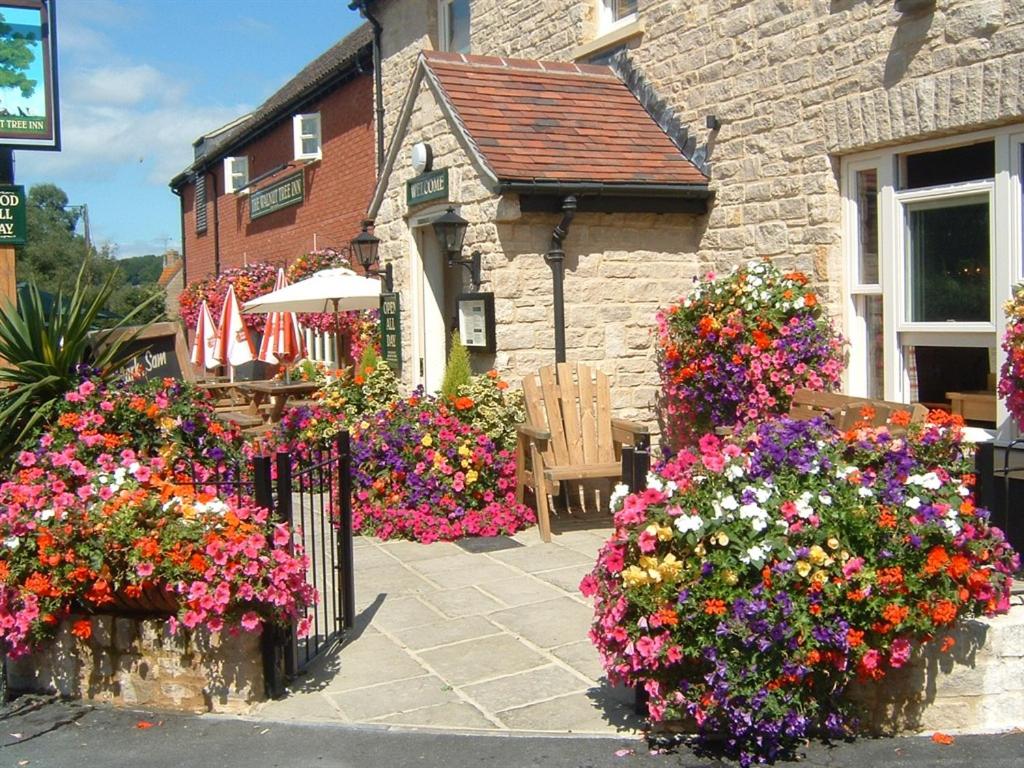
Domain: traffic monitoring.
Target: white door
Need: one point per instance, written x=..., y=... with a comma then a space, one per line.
x=430, y=325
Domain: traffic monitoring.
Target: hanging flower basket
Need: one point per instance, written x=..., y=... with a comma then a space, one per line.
x=148, y=600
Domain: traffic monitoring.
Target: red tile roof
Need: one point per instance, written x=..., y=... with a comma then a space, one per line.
x=558, y=121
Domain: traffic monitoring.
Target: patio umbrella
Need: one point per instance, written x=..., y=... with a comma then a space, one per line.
x=234, y=345
x=204, y=348
x=330, y=290
x=282, y=339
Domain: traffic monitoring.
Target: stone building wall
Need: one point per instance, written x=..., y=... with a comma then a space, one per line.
x=796, y=84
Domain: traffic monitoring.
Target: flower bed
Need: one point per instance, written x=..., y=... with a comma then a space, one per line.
x=754, y=579
x=738, y=346
x=1011, y=376
x=423, y=473
x=113, y=501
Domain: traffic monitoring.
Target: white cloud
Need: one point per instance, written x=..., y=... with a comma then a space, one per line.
x=123, y=85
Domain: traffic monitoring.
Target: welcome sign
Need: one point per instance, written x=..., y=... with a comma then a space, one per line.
x=28, y=75
x=288, y=191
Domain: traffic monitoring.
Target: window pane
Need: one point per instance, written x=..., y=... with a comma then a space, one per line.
x=310, y=145
x=870, y=310
x=938, y=370
x=948, y=166
x=867, y=226
x=948, y=261
x=624, y=8
x=458, y=26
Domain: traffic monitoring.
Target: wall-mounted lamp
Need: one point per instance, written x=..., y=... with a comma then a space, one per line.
x=712, y=123
x=450, y=230
x=364, y=246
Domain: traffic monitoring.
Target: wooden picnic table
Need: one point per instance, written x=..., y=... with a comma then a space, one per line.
x=278, y=392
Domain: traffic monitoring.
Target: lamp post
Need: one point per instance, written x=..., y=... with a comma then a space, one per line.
x=365, y=247
x=450, y=230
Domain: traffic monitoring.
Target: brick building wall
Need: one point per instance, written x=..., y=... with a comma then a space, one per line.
x=337, y=188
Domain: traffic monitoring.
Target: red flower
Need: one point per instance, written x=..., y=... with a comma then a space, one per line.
x=82, y=629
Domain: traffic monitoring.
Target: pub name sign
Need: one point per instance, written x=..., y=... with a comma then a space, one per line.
x=288, y=191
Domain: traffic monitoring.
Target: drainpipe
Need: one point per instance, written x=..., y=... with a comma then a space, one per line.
x=378, y=83
x=556, y=258
x=216, y=223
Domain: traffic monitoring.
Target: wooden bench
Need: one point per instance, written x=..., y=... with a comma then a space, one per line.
x=569, y=434
x=847, y=411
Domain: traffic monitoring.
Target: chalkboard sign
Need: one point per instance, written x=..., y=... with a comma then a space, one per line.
x=391, y=330
x=158, y=352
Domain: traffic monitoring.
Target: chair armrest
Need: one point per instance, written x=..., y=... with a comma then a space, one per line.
x=634, y=427
x=534, y=432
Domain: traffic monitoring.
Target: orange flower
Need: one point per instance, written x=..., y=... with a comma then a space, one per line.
x=895, y=614
x=899, y=418
x=492, y=374
x=99, y=592
x=937, y=561
x=944, y=612
x=942, y=738
x=82, y=629
x=947, y=642
x=667, y=616
x=967, y=507
x=890, y=577
x=959, y=565
x=886, y=519
x=502, y=384
x=463, y=403
x=714, y=607
x=5, y=571
x=854, y=637
x=810, y=299
x=132, y=590
x=40, y=584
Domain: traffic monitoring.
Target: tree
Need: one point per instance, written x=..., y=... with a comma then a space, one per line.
x=16, y=57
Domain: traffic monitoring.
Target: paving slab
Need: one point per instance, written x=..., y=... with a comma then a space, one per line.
x=581, y=656
x=390, y=580
x=392, y=698
x=463, y=570
x=544, y=558
x=411, y=551
x=524, y=688
x=463, y=601
x=378, y=660
x=519, y=590
x=403, y=612
x=455, y=715
x=590, y=712
x=446, y=632
x=547, y=624
x=480, y=659
x=566, y=579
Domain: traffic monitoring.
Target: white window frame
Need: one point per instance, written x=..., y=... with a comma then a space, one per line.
x=307, y=126
x=1005, y=222
x=444, y=20
x=606, y=21
x=236, y=174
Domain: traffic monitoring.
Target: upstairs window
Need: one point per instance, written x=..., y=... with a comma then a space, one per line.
x=200, y=204
x=453, y=25
x=307, y=136
x=613, y=14
x=236, y=174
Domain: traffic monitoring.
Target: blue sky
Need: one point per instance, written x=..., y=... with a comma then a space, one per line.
x=140, y=80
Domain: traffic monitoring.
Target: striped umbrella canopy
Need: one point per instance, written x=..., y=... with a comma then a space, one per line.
x=204, y=348
x=234, y=344
x=283, y=340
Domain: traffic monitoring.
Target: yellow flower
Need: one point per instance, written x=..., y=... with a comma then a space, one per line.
x=699, y=550
x=634, y=577
x=670, y=568
x=730, y=577
x=464, y=450
x=833, y=542
x=820, y=576
x=664, y=533
x=427, y=441
x=168, y=423
x=721, y=538
x=803, y=567
x=471, y=476
x=817, y=555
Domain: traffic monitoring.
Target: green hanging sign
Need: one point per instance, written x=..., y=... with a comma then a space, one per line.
x=281, y=194
x=391, y=330
x=12, y=215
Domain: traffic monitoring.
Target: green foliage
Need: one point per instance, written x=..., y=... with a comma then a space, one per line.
x=496, y=408
x=458, y=372
x=45, y=347
x=368, y=361
x=141, y=269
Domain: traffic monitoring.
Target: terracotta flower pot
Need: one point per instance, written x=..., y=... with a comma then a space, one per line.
x=156, y=599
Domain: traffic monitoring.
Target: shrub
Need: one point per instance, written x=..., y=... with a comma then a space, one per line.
x=754, y=579
x=490, y=405
x=458, y=371
x=738, y=346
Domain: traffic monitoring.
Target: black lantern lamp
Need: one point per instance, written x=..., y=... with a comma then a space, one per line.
x=364, y=246
x=450, y=230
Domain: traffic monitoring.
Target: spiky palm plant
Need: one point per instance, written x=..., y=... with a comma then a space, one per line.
x=44, y=348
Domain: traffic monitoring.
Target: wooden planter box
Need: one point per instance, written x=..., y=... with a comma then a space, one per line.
x=135, y=661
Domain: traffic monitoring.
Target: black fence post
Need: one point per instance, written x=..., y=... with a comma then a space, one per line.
x=263, y=490
x=286, y=641
x=270, y=642
x=636, y=460
x=346, y=566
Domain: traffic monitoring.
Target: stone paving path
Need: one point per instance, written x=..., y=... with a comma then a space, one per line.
x=486, y=641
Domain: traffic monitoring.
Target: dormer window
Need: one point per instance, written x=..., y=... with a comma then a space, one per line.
x=236, y=174
x=307, y=136
x=613, y=14
x=453, y=25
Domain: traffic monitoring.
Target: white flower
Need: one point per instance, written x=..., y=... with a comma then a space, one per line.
x=751, y=510
x=843, y=472
x=963, y=490
x=825, y=499
x=952, y=526
x=653, y=481
x=754, y=554
x=758, y=523
x=913, y=502
x=12, y=542
x=46, y=514
x=734, y=472
x=730, y=503
x=686, y=523
x=620, y=492
x=864, y=492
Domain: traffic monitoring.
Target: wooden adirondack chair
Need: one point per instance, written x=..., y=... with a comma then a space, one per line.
x=569, y=434
x=846, y=411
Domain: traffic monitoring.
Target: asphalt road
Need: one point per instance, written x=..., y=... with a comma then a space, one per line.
x=49, y=734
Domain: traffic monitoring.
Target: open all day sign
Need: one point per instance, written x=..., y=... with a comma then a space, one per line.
x=12, y=215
